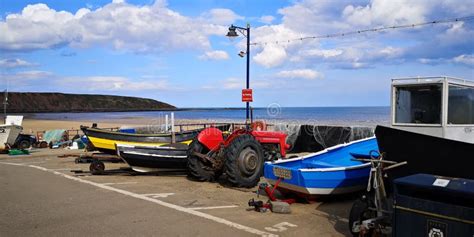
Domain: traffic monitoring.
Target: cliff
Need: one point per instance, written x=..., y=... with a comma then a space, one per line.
x=19, y=102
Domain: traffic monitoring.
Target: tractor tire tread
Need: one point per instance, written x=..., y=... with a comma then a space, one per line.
x=234, y=176
x=195, y=165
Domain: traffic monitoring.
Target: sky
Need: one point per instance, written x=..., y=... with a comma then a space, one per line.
x=176, y=51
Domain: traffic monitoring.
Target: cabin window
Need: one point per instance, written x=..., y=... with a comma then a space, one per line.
x=418, y=104
x=460, y=105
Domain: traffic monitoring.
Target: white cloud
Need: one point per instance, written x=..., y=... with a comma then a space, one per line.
x=324, y=53
x=267, y=19
x=15, y=63
x=271, y=56
x=300, y=73
x=26, y=78
x=89, y=83
x=467, y=59
x=221, y=16
x=316, y=18
x=148, y=28
x=381, y=12
x=233, y=83
x=214, y=55
x=113, y=83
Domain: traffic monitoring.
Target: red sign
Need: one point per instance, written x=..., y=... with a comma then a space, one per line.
x=247, y=95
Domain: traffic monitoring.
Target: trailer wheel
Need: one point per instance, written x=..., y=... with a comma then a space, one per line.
x=199, y=170
x=24, y=144
x=360, y=212
x=244, y=161
x=97, y=167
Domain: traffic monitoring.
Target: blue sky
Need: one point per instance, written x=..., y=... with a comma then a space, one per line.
x=177, y=52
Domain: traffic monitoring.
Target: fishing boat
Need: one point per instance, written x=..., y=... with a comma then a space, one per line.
x=141, y=158
x=432, y=127
x=104, y=140
x=330, y=171
x=10, y=131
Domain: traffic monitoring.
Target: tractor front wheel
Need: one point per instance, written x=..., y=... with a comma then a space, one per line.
x=199, y=170
x=244, y=163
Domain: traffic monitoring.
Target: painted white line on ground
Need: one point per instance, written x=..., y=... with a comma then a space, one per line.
x=208, y=208
x=158, y=195
x=61, y=169
x=22, y=163
x=9, y=163
x=159, y=202
x=34, y=162
x=118, y=183
x=280, y=227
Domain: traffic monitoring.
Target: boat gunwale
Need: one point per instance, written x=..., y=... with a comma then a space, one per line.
x=320, y=152
x=103, y=131
x=150, y=147
x=152, y=155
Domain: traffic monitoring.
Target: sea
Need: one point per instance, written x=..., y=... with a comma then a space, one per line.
x=366, y=116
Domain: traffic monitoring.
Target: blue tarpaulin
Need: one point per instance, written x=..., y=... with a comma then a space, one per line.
x=56, y=135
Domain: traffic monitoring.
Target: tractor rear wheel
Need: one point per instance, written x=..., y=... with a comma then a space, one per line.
x=199, y=170
x=244, y=161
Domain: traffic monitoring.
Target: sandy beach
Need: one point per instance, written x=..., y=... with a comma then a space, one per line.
x=31, y=125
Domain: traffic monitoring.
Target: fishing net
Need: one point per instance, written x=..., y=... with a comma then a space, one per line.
x=291, y=130
x=313, y=138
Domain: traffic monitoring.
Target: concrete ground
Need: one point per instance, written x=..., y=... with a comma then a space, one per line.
x=40, y=196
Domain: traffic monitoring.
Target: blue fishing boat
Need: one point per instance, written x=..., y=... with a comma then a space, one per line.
x=331, y=171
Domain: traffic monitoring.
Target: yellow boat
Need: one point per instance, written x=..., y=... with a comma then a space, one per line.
x=105, y=140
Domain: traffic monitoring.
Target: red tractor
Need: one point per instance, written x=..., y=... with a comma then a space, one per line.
x=240, y=154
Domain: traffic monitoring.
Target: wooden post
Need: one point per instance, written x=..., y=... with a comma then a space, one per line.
x=173, y=137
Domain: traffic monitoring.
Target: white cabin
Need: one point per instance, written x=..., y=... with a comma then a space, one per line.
x=436, y=106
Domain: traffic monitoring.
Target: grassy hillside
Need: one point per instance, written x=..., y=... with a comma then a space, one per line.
x=59, y=102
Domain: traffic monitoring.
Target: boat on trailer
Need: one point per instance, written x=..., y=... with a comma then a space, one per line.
x=154, y=158
x=104, y=140
x=432, y=127
x=331, y=171
x=10, y=131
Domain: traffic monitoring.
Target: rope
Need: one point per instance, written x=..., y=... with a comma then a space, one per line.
x=383, y=28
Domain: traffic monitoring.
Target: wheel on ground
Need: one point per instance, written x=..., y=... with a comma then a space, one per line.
x=97, y=167
x=360, y=212
x=198, y=169
x=24, y=144
x=244, y=161
x=43, y=144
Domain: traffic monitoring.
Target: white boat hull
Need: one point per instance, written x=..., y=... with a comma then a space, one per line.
x=8, y=135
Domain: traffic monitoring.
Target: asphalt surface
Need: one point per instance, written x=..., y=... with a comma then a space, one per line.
x=40, y=196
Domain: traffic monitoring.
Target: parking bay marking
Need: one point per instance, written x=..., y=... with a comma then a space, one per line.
x=159, y=202
x=118, y=183
x=158, y=195
x=208, y=208
x=280, y=227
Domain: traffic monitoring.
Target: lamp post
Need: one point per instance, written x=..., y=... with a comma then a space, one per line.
x=245, y=32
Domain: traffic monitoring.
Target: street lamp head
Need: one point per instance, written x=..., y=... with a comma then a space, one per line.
x=232, y=32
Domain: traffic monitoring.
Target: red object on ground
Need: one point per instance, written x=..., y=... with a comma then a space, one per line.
x=270, y=192
x=247, y=95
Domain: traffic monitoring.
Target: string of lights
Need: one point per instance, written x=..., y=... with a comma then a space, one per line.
x=355, y=32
